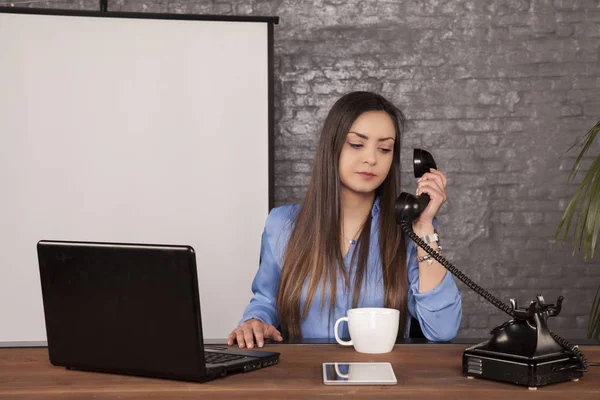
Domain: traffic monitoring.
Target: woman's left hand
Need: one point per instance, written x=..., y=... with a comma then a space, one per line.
x=434, y=184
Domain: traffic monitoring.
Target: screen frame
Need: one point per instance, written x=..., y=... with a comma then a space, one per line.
x=269, y=20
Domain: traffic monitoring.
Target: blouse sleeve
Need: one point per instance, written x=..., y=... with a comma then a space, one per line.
x=439, y=310
x=262, y=305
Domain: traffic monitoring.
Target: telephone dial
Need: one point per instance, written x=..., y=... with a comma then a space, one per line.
x=522, y=350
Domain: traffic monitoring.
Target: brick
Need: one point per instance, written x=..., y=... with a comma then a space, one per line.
x=533, y=218
x=587, y=29
x=512, y=20
x=564, y=4
x=282, y=194
x=295, y=153
x=486, y=140
x=186, y=7
x=570, y=16
x=146, y=6
x=588, y=56
x=585, y=4
x=591, y=109
x=545, y=97
x=243, y=9
x=283, y=168
x=570, y=110
x=582, y=95
x=301, y=167
x=592, y=14
x=292, y=180
x=565, y=30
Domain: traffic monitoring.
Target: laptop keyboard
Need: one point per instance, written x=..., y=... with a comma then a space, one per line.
x=219, y=358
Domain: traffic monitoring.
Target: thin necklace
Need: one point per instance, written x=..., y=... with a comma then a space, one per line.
x=353, y=241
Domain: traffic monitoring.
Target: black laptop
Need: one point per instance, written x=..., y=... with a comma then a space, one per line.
x=131, y=309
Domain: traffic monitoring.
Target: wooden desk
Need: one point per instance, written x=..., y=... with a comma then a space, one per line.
x=431, y=371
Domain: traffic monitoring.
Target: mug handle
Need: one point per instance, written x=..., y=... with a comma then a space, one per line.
x=337, y=337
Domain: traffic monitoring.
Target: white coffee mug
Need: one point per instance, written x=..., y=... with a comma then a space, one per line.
x=372, y=330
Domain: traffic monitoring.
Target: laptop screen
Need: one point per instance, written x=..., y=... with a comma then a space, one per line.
x=122, y=308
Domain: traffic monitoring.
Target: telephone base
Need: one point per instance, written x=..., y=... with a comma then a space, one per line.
x=527, y=371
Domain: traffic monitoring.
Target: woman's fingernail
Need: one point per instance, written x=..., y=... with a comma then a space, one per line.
x=250, y=345
x=260, y=344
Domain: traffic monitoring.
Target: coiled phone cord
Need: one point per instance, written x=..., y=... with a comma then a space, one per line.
x=484, y=293
x=456, y=272
x=572, y=348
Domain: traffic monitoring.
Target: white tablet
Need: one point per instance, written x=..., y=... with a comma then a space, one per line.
x=359, y=373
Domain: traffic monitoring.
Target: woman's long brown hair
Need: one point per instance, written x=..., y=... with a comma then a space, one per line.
x=314, y=250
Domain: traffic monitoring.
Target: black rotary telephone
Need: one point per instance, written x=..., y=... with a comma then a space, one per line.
x=522, y=350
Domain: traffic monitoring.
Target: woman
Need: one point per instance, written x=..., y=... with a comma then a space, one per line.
x=342, y=248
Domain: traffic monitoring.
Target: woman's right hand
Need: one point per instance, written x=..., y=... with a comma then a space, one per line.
x=251, y=329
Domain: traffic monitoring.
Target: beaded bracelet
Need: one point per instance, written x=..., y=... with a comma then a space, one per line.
x=428, y=257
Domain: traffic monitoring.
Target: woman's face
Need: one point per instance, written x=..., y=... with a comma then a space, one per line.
x=368, y=152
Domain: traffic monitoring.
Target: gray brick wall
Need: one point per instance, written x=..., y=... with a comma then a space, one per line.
x=497, y=90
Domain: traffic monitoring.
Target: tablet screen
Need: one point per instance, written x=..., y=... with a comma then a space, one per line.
x=358, y=374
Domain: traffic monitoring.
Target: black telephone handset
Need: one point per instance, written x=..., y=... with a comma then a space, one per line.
x=522, y=350
x=409, y=206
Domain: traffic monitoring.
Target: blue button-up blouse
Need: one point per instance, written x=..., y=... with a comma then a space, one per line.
x=438, y=311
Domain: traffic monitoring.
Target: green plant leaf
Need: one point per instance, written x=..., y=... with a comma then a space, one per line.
x=590, y=205
x=588, y=140
x=593, y=218
x=574, y=206
x=581, y=218
x=595, y=222
x=585, y=202
x=594, y=320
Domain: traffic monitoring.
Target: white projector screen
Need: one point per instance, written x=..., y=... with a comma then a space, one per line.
x=120, y=127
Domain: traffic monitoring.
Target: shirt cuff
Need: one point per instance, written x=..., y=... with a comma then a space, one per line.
x=442, y=296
